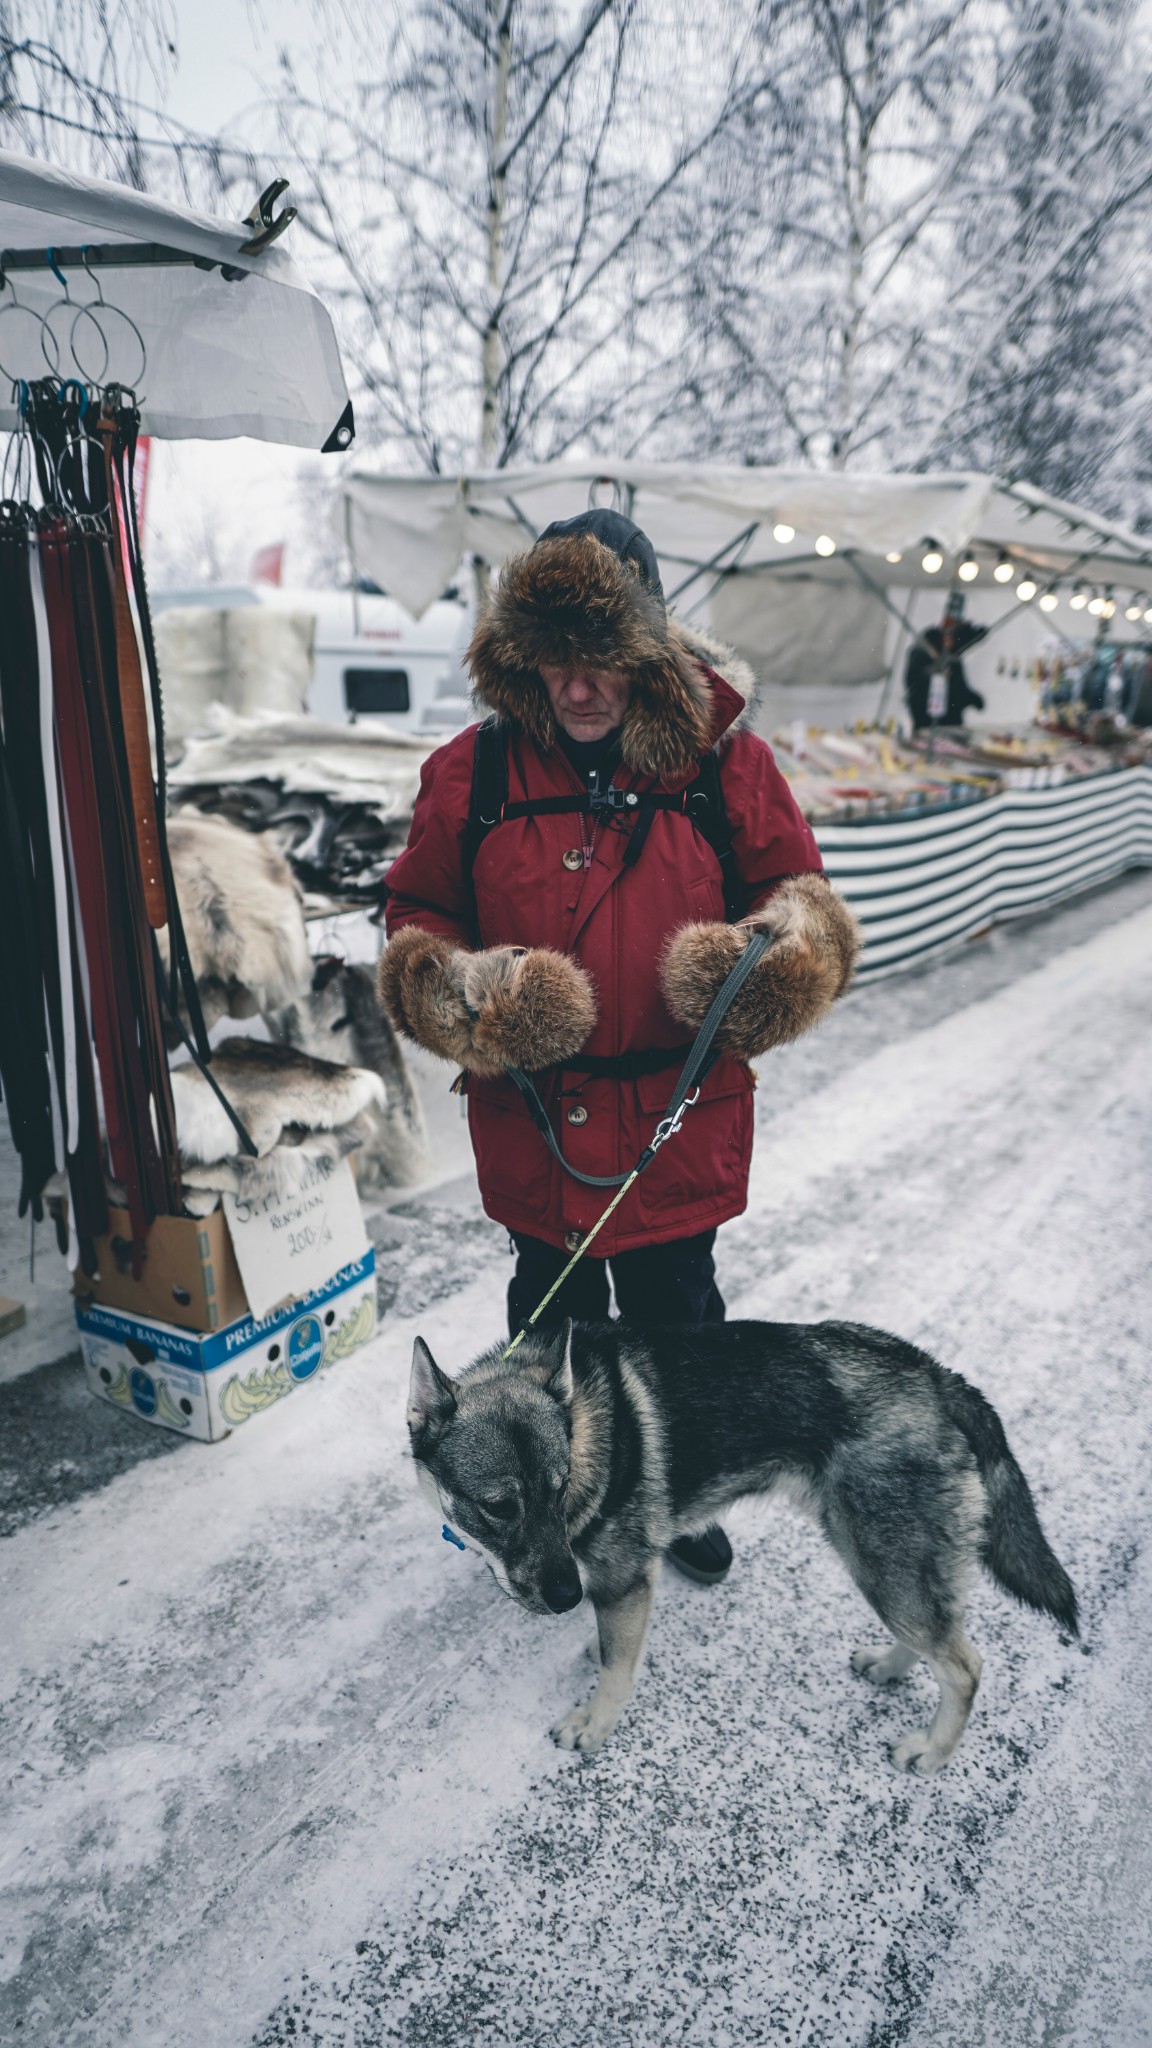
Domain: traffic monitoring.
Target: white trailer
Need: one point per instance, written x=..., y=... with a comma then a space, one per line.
x=370, y=658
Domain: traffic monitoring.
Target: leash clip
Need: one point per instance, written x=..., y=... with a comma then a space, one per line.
x=671, y=1124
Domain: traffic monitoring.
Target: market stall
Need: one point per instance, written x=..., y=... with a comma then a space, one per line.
x=827, y=583
x=125, y=933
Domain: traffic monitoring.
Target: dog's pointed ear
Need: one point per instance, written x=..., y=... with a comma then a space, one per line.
x=431, y=1397
x=559, y=1382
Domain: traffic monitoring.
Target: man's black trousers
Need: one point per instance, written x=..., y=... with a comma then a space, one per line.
x=660, y=1283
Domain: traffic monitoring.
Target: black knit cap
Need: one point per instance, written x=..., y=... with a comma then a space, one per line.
x=614, y=531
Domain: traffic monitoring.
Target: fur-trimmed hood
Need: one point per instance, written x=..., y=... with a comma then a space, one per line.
x=571, y=599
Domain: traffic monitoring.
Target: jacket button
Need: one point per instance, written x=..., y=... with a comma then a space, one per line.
x=579, y=1115
x=574, y=1240
x=574, y=858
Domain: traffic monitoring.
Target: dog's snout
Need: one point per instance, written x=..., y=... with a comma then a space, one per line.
x=562, y=1589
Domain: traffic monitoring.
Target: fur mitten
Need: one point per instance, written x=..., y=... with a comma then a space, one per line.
x=509, y=1006
x=816, y=941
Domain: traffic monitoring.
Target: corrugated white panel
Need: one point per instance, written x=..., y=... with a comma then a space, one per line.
x=921, y=884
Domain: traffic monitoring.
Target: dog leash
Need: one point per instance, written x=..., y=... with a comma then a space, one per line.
x=684, y=1096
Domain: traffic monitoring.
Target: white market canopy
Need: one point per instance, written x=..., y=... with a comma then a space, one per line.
x=821, y=594
x=256, y=355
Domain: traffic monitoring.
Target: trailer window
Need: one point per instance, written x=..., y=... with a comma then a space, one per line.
x=376, y=689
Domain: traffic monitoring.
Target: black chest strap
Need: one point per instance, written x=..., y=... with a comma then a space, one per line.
x=701, y=802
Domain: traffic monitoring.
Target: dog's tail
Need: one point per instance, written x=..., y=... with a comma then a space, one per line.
x=1015, y=1551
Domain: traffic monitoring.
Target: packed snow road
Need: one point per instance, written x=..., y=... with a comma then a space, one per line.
x=275, y=1756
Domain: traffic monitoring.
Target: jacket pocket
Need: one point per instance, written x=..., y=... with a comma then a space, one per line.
x=513, y=1163
x=707, y=1160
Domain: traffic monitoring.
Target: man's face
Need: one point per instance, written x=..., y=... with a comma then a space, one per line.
x=587, y=702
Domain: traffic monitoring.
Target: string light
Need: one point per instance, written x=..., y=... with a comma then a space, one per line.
x=1148, y=616
x=1026, y=590
x=1132, y=611
x=1049, y=601
x=824, y=544
x=1078, y=599
x=1005, y=570
x=894, y=556
x=783, y=533
x=1108, y=608
x=932, y=559
x=968, y=570
x=1096, y=607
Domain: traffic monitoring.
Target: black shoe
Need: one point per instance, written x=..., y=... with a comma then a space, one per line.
x=706, y=1558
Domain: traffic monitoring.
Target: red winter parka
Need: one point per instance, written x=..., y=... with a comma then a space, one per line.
x=532, y=886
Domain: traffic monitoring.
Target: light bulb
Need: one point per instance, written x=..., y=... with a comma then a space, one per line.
x=783, y=533
x=1004, y=570
x=931, y=561
x=894, y=556
x=1049, y=601
x=1131, y=611
x=1108, y=608
x=1026, y=589
x=1096, y=607
x=968, y=570
x=1148, y=616
x=824, y=544
x=1078, y=600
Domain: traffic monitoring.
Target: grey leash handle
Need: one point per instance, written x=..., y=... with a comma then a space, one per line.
x=692, y=1076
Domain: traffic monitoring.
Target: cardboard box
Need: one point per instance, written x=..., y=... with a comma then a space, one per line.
x=189, y=1276
x=246, y=1257
x=207, y=1385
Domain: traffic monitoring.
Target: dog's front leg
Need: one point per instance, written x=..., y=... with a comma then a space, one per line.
x=622, y=1627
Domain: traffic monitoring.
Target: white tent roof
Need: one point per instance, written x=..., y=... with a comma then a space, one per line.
x=256, y=356
x=711, y=519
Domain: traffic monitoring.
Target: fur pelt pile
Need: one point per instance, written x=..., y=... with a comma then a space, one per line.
x=243, y=917
x=295, y=1108
x=340, y=1016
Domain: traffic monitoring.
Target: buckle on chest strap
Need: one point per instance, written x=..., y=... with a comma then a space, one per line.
x=613, y=799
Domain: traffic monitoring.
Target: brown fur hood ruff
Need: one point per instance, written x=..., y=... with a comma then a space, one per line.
x=572, y=600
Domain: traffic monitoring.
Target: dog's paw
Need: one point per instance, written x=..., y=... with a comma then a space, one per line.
x=880, y=1663
x=914, y=1754
x=583, y=1729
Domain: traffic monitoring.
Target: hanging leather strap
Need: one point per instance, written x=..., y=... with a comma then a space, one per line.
x=137, y=745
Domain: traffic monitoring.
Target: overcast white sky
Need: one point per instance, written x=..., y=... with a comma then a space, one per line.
x=241, y=493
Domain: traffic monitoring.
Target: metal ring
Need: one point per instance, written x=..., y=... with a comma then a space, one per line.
x=48, y=333
x=114, y=375
x=89, y=376
x=15, y=305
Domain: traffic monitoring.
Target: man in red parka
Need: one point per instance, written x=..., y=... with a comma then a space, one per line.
x=584, y=941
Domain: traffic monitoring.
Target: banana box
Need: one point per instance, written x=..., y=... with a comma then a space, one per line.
x=206, y=1386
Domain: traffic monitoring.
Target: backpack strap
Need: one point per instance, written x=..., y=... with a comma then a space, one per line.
x=489, y=787
x=708, y=811
x=702, y=802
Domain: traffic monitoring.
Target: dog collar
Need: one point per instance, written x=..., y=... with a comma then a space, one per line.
x=450, y=1536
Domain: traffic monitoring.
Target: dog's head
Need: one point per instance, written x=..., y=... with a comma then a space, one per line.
x=492, y=1453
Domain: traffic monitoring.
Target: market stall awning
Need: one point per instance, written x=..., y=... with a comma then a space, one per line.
x=714, y=523
x=216, y=342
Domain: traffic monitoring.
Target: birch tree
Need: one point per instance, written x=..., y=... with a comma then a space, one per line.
x=82, y=82
x=920, y=265
x=501, y=208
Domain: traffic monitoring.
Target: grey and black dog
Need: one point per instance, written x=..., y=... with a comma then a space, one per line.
x=573, y=1463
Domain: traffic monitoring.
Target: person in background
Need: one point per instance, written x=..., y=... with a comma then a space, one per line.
x=936, y=689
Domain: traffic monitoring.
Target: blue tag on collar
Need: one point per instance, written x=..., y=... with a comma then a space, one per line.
x=450, y=1536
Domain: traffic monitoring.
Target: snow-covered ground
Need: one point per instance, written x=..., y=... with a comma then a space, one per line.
x=275, y=1758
